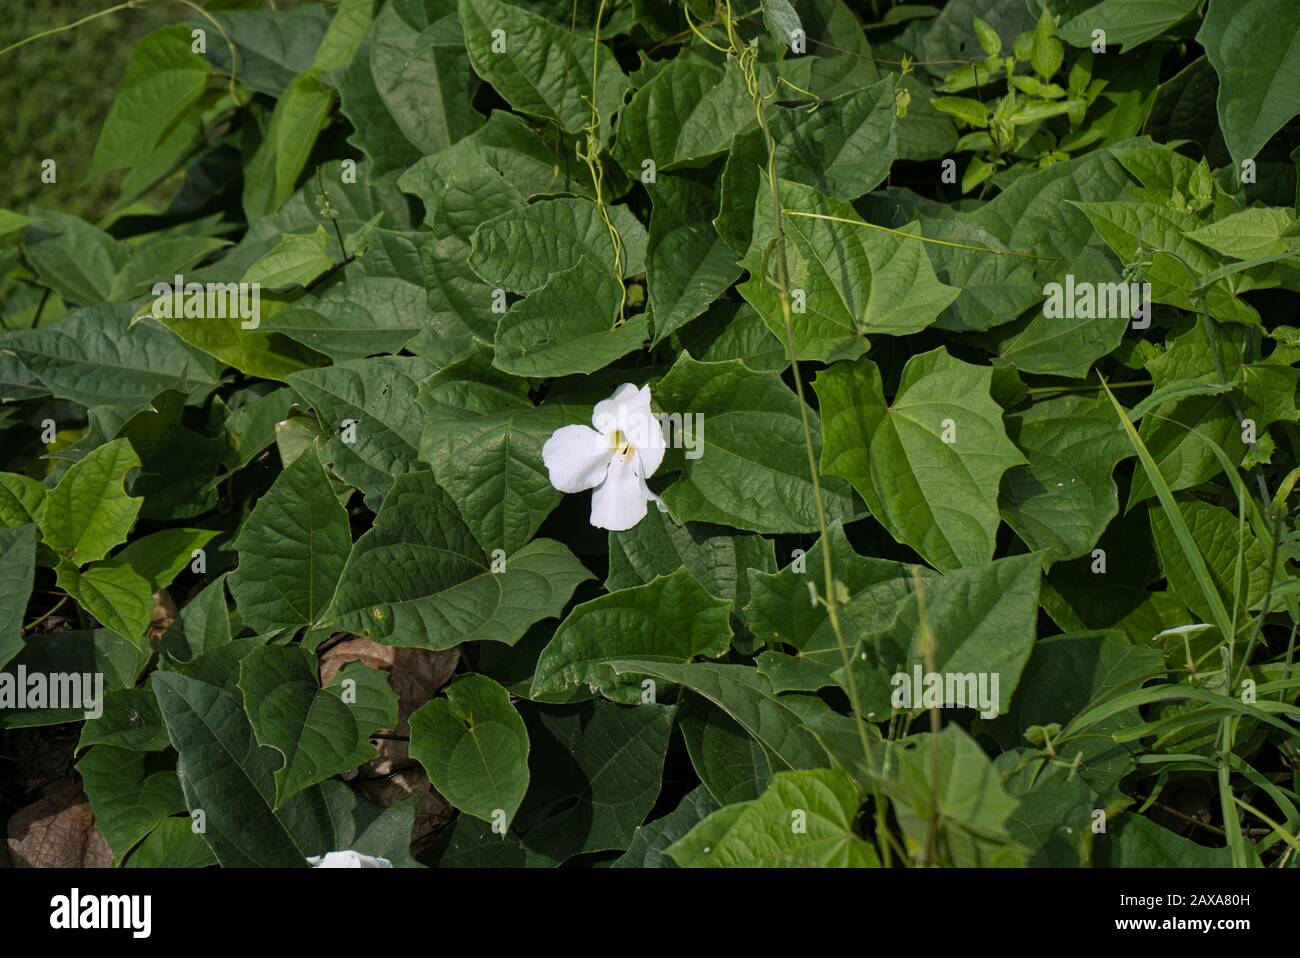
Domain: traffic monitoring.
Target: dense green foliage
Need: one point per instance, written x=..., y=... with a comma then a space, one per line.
x=971, y=329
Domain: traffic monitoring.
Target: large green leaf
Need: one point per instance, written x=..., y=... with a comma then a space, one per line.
x=93, y=357
x=490, y=460
x=1063, y=499
x=973, y=809
x=408, y=89
x=226, y=776
x=377, y=397
x=928, y=465
x=300, y=114
x=747, y=698
x=687, y=264
x=670, y=619
x=474, y=746
x=164, y=79
x=845, y=147
x=541, y=68
x=752, y=472
x=321, y=732
x=657, y=546
x=596, y=771
x=1251, y=44
x=651, y=840
x=559, y=235
x=131, y=792
x=983, y=621
x=847, y=281
x=419, y=577
x=544, y=335
x=684, y=116
x=115, y=595
x=89, y=511
x=805, y=819
x=291, y=550
x=17, y=566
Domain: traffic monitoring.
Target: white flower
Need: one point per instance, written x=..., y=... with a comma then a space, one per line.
x=348, y=859
x=615, y=458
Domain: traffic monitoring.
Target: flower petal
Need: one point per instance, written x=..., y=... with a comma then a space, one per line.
x=647, y=437
x=576, y=458
x=619, y=502
x=614, y=412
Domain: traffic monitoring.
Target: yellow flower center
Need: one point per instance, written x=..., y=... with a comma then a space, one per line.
x=620, y=445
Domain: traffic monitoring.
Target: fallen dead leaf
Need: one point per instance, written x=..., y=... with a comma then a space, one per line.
x=58, y=831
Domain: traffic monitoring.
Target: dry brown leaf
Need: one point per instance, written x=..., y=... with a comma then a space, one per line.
x=433, y=813
x=162, y=617
x=58, y=831
x=415, y=675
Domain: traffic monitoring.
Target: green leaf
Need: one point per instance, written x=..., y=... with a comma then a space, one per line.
x=805, y=819
x=983, y=619
x=752, y=472
x=474, y=746
x=560, y=233
x=928, y=465
x=732, y=764
x=658, y=546
x=974, y=810
x=161, y=556
x=296, y=260
x=419, y=578
x=651, y=840
x=292, y=550
x=543, y=71
x=115, y=595
x=21, y=500
x=131, y=793
x=17, y=568
x=89, y=511
x=227, y=776
x=88, y=652
x=683, y=117
x=687, y=264
x=1218, y=536
x=173, y=844
x=1064, y=498
x=1138, y=842
x=670, y=619
x=1067, y=675
x=596, y=770
x=781, y=20
x=1251, y=234
x=163, y=81
x=347, y=28
x=567, y=326
x=94, y=357
x=378, y=397
x=408, y=91
x=1251, y=44
x=318, y=731
x=847, y=281
x=747, y=698
x=131, y=720
x=490, y=462
x=1047, y=52
x=1127, y=23
x=300, y=115
x=845, y=147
